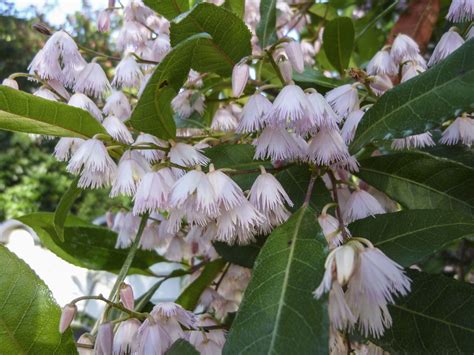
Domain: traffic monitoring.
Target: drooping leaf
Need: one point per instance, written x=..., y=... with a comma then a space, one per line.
x=86, y=245
x=64, y=206
x=418, y=180
x=435, y=318
x=243, y=255
x=22, y=112
x=423, y=102
x=237, y=157
x=181, y=347
x=338, y=42
x=266, y=28
x=190, y=296
x=312, y=78
x=236, y=6
x=29, y=316
x=295, y=181
x=168, y=8
x=153, y=113
x=410, y=236
x=229, y=38
x=278, y=313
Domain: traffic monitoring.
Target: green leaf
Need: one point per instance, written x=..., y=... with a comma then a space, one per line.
x=338, y=42
x=312, y=78
x=419, y=180
x=266, y=28
x=153, y=113
x=181, y=347
x=423, y=102
x=22, y=112
x=295, y=181
x=29, y=316
x=410, y=236
x=64, y=206
x=168, y=8
x=324, y=11
x=86, y=245
x=189, y=298
x=278, y=313
x=243, y=255
x=237, y=157
x=435, y=318
x=229, y=38
x=236, y=6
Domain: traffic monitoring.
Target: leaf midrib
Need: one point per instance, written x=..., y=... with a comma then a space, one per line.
x=286, y=278
x=408, y=104
x=439, y=320
x=267, y=17
x=398, y=236
x=426, y=187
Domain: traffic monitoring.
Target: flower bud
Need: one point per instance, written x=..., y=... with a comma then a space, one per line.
x=126, y=296
x=295, y=55
x=103, y=21
x=85, y=339
x=240, y=76
x=67, y=316
x=285, y=70
x=42, y=28
x=381, y=83
x=104, y=341
x=345, y=263
x=11, y=83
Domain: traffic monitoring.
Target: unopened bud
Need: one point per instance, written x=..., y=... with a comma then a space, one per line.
x=104, y=341
x=67, y=316
x=345, y=262
x=285, y=70
x=295, y=55
x=103, y=21
x=42, y=28
x=111, y=4
x=381, y=83
x=126, y=296
x=11, y=83
x=240, y=76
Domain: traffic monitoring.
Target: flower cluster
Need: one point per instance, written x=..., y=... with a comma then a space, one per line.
x=181, y=202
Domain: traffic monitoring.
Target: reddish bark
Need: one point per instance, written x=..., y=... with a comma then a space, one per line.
x=417, y=21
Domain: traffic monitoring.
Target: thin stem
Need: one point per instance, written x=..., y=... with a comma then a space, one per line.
x=232, y=172
x=124, y=270
x=119, y=306
x=309, y=191
x=91, y=51
x=222, y=276
x=375, y=20
x=275, y=66
x=342, y=226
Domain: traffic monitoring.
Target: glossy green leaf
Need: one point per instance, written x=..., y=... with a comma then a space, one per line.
x=229, y=38
x=410, y=236
x=236, y=6
x=423, y=102
x=189, y=298
x=295, y=181
x=29, y=316
x=181, y=347
x=237, y=157
x=64, y=207
x=419, y=180
x=168, y=8
x=278, y=314
x=435, y=318
x=243, y=255
x=22, y=112
x=325, y=11
x=153, y=113
x=338, y=42
x=266, y=28
x=86, y=245
x=312, y=78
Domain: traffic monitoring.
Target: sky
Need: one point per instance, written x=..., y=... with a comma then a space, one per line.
x=65, y=7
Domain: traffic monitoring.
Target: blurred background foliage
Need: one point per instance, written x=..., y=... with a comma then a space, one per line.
x=31, y=179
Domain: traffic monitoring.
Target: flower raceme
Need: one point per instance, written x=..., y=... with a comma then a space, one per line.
x=371, y=281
